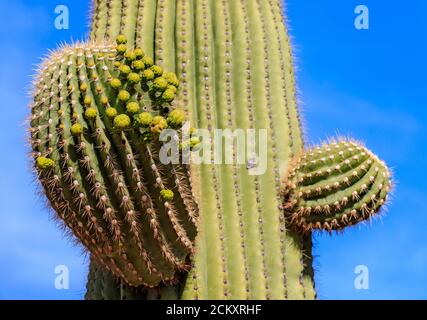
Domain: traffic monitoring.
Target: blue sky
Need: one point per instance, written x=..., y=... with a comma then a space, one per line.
x=368, y=84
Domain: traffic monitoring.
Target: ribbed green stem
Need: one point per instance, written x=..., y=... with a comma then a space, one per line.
x=234, y=246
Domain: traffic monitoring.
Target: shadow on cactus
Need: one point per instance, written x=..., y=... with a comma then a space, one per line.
x=160, y=230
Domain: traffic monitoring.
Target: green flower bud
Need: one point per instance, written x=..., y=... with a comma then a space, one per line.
x=111, y=112
x=194, y=142
x=125, y=69
x=138, y=65
x=91, y=113
x=139, y=53
x=176, y=118
x=158, y=124
x=121, y=48
x=134, y=78
x=121, y=39
x=44, y=163
x=160, y=84
x=132, y=107
x=87, y=101
x=130, y=56
x=121, y=122
x=148, y=75
x=168, y=95
x=124, y=95
x=172, y=79
x=144, y=119
x=148, y=61
x=147, y=137
x=172, y=88
x=167, y=194
x=158, y=71
x=115, y=83
x=76, y=129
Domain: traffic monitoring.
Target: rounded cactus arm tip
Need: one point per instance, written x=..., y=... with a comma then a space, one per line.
x=334, y=186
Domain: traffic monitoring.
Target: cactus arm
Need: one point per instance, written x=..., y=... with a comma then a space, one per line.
x=97, y=178
x=141, y=190
x=334, y=186
x=126, y=176
x=270, y=258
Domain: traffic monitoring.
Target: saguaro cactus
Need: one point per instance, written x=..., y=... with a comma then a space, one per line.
x=95, y=151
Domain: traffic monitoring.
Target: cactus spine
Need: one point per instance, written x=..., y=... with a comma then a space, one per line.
x=234, y=62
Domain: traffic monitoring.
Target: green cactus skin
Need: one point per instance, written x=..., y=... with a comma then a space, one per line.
x=234, y=62
x=105, y=182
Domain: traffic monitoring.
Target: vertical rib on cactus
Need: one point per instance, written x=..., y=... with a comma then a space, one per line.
x=234, y=60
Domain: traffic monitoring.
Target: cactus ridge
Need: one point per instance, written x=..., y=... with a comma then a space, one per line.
x=102, y=175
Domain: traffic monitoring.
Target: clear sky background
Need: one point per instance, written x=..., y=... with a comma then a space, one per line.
x=368, y=84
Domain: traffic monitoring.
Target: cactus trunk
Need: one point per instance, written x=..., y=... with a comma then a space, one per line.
x=235, y=64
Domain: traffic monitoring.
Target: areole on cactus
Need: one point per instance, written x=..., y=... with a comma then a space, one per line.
x=181, y=231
